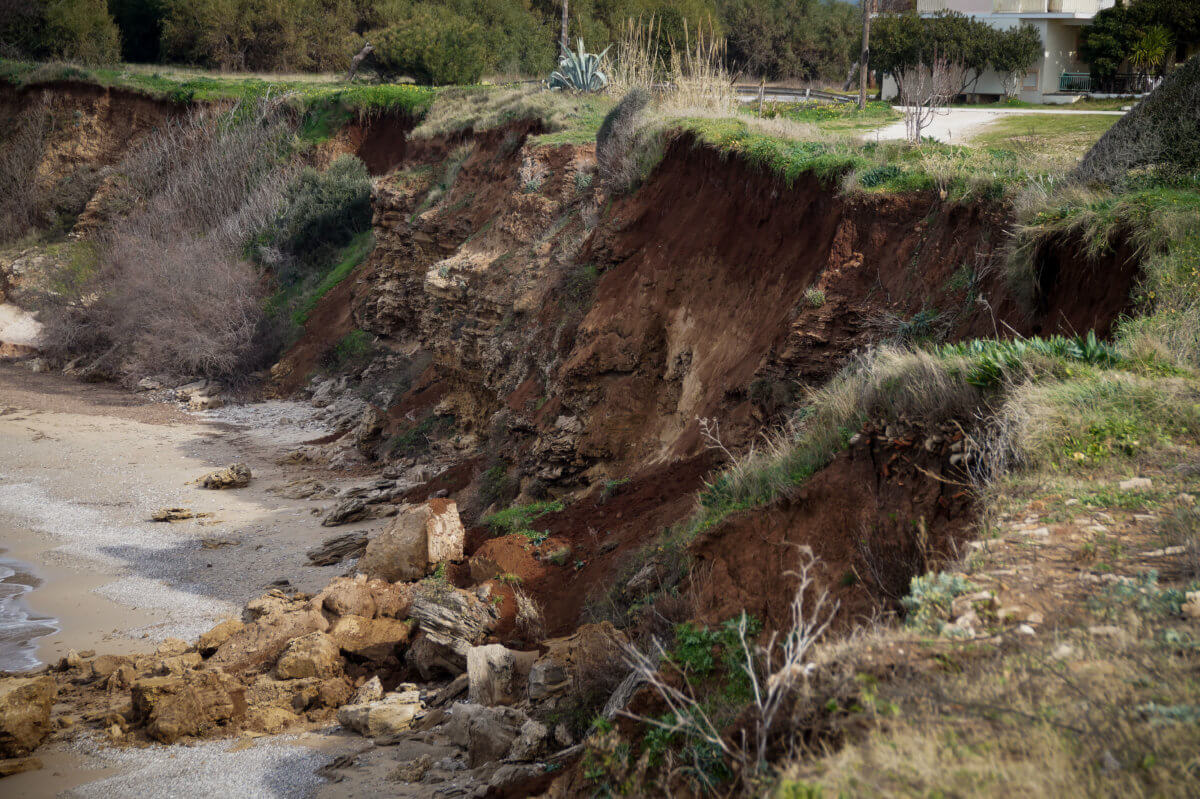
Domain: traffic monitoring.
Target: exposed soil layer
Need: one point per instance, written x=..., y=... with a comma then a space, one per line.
x=884, y=511
x=590, y=540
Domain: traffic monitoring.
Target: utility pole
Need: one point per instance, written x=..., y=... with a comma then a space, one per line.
x=566, y=45
x=864, y=59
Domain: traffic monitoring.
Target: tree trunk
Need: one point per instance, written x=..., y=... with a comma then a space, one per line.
x=566, y=44
x=864, y=60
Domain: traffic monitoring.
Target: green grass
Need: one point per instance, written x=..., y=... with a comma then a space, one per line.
x=1054, y=141
x=1086, y=104
x=519, y=519
x=309, y=92
x=831, y=117
x=350, y=257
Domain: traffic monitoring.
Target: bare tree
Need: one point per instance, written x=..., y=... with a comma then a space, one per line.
x=773, y=668
x=925, y=91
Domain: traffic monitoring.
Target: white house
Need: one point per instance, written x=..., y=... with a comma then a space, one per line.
x=1060, y=77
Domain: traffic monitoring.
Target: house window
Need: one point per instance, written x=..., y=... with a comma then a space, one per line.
x=1031, y=81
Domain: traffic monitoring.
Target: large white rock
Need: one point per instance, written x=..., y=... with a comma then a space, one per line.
x=418, y=538
x=390, y=715
x=497, y=675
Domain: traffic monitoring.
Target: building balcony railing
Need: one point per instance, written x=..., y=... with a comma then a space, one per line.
x=1081, y=7
x=1083, y=83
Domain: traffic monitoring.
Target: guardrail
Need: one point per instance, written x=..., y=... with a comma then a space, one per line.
x=750, y=93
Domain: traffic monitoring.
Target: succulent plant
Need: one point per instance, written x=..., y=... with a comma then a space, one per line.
x=579, y=71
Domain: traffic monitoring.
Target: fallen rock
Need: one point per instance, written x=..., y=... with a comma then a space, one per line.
x=335, y=550
x=25, y=704
x=271, y=623
x=370, y=639
x=390, y=715
x=452, y=621
x=346, y=511
x=204, y=402
x=271, y=720
x=190, y=704
x=413, y=771
x=1136, y=484
x=420, y=537
x=358, y=596
x=1191, y=607
x=312, y=655
x=497, y=675
x=208, y=642
x=531, y=742
x=487, y=733
x=236, y=475
x=370, y=691
x=176, y=515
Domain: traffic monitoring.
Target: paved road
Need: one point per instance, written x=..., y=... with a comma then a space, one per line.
x=960, y=124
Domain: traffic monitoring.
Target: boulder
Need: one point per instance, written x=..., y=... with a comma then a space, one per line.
x=431, y=659
x=312, y=655
x=236, y=475
x=487, y=733
x=338, y=548
x=189, y=704
x=497, y=675
x=271, y=720
x=334, y=692
x=267, y=691
x=419, y=537
x=25, y=704
x=531, y=742
x=452, y=618
x=388, y=716
x=346, y=511
x=208, y=642
x=547, y=676
x=358, y=596
x=272, y=623
x=372, y=639
x=370, y=691
x=348, y=597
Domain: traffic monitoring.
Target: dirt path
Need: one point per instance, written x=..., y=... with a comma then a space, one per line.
x=82, y=467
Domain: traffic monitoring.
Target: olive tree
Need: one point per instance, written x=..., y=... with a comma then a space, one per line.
x=1016, y=50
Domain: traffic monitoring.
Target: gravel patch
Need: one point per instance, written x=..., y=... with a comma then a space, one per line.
x=271, y=769
x=279, y=421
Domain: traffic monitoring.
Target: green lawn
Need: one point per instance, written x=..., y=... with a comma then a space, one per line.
x=1045, y=141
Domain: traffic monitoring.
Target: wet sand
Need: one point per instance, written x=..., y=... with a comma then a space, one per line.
x=82, y=467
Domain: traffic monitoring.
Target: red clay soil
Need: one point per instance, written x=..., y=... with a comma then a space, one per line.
x=881, y=513
x=704, y=293
x=601, y=534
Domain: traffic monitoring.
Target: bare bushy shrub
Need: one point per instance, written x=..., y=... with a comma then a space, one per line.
x=530, y=622
x=925, y=90
x=774, y=667
x=172, y=291
x=1162, y=131
x=21, y=146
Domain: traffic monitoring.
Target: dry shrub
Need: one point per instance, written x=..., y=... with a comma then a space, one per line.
x=1181, y=528
x=617, y=142
x=20, y=153
x=172, y=291
x=530, y=621
x=691, y=75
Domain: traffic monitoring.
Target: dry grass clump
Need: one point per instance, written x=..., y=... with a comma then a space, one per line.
x=690, y=76
x=171, y=291
x=482, y=108
x=1070, y=718
x=530, y=621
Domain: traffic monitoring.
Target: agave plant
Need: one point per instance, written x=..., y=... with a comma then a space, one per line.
x=579, y=72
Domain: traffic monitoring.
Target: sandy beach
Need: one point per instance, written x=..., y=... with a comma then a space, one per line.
x=82, y=468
